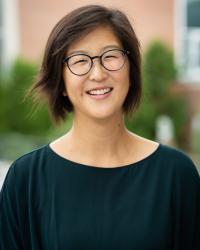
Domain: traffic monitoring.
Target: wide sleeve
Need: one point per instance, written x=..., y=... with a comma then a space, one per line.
x=10, y=235
x=186, y=206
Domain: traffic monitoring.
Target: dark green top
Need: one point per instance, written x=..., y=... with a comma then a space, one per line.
x=50, y=203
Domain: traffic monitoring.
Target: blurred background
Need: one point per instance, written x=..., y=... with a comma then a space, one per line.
x=169, y=33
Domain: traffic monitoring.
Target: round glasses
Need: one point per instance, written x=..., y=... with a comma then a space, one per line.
x=81, y=64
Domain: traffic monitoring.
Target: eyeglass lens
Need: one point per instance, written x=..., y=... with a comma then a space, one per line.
x=111, y=60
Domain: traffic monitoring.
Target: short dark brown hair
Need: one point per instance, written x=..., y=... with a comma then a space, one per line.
x=71, y=27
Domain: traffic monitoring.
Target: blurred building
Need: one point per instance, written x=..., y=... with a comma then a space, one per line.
x=26, y=24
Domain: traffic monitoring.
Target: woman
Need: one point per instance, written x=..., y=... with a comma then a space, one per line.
x=99, y=186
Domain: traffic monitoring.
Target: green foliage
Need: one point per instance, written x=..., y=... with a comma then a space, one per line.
x=15, y=113
x=22, y=126
x=3, y=107
x=159, y=74
x=13, y=144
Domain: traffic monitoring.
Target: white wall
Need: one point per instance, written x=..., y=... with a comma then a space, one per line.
x=9, y=32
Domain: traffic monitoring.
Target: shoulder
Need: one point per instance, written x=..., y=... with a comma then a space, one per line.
x=163, y=158
x=178, y=162
x=35, y=156
x=174, y=155
x=169, y=151
x=26, y=165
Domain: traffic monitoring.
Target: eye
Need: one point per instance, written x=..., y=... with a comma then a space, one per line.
x=80, y=61
x=110, y=56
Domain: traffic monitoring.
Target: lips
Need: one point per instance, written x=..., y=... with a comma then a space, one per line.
x=99, y=90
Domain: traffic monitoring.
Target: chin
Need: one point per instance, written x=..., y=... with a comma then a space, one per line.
x=106, y=114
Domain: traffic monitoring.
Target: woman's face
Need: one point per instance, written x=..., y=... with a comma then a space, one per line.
x=93, y=105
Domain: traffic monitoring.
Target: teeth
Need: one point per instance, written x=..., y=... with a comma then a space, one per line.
x=99, y=92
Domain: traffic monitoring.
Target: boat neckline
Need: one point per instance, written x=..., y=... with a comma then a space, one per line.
x=82, y=165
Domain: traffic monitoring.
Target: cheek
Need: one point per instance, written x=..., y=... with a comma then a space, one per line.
x=123, y=74
x=73, y=86
x=123, y=79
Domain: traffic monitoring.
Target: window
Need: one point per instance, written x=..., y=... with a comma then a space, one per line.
x=191, y=41
x=8, y=32
x=192, y=54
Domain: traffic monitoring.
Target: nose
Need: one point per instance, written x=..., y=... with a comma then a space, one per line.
x=97, y=72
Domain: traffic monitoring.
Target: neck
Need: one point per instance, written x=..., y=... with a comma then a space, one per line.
x=107, y=139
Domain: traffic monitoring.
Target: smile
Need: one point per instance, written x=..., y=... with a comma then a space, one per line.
x=100, y=92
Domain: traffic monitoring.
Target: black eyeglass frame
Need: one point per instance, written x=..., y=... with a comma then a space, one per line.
x=125, y=52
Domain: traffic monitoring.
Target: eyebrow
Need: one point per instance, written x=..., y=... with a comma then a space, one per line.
x=87, y=52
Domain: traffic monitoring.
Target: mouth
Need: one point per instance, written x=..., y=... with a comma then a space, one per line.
x=99, y=92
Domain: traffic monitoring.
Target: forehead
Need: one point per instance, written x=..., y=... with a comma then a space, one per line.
x=95, y=41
